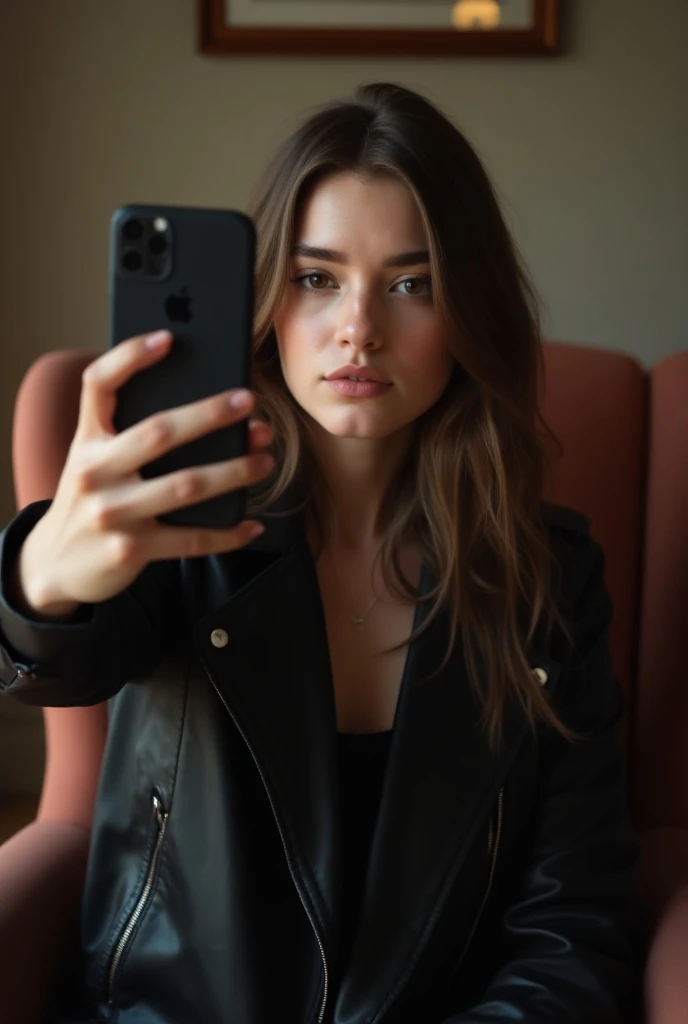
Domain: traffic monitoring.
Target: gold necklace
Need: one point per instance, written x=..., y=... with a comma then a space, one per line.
x=358, y=620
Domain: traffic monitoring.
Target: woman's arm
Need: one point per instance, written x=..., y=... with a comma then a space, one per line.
x=572, y=940
x=87, y=658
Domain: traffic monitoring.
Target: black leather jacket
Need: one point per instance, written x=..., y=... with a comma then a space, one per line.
x=500, y=887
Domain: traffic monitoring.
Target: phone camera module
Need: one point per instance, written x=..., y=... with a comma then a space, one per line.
x=144, y=245
x=132, y=260
x=132, y=229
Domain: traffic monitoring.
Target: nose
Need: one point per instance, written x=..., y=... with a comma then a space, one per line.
x=357, y=328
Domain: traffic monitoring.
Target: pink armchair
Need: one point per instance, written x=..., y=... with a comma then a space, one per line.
x=625, y=433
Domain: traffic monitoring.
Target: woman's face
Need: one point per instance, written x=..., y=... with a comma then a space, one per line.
x=360, y=296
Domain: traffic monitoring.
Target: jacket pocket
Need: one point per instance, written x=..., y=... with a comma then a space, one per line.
x=159, y=825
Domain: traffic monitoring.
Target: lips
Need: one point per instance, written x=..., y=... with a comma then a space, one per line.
x=357, y=374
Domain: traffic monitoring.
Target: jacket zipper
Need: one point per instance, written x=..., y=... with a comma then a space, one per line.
x=494, y=836
x=286, y=853
x=160, y=824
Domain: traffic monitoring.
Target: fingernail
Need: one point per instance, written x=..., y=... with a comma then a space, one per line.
x=255, y=530
x=240, y=399
x=157, y=339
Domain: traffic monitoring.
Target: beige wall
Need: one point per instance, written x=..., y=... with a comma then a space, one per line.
x=107, y=101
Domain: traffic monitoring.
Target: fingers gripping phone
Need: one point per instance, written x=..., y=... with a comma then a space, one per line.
x=190, y=271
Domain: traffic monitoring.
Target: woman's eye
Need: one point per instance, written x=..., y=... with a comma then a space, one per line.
x=318, y=281
x=313, y=282
x=417, y=287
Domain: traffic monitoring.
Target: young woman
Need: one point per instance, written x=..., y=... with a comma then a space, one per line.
x=366, y=768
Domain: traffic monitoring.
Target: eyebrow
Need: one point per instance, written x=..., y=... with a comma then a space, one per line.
x=403, y=259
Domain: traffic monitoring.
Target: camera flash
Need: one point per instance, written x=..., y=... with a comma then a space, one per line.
x=160, y=224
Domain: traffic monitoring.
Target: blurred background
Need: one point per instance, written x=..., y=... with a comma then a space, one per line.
x=110, y=102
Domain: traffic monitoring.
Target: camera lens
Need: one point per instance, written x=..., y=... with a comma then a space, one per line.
x=132, y=229
x=157, y=245
x=131, y=260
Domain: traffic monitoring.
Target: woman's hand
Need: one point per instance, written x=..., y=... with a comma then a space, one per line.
x=101, y=528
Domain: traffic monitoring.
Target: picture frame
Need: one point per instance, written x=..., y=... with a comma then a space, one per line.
x=391, y=28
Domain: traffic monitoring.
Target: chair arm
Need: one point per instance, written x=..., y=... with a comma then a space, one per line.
x=666, y=978
x=42, y=870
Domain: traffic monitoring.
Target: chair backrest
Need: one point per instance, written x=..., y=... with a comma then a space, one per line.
x=603, y=407
x=596, y=404
x=659, y=768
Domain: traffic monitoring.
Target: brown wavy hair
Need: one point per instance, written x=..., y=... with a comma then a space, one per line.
x=470, y=491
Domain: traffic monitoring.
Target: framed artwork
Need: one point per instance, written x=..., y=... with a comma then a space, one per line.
x=411, y=28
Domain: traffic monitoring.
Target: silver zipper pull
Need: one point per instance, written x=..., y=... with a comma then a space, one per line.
x=160, y=812
x=161, y=821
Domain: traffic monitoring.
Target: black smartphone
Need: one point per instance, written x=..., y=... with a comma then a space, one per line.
x=190, y=271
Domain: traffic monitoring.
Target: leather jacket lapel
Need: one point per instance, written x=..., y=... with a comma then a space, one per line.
x=441, y=785
x=274, y=677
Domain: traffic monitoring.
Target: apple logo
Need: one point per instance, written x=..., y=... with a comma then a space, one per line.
x=178, y=307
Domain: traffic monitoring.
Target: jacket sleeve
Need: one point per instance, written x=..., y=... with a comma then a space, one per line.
x=88, y=658
x=572, y=942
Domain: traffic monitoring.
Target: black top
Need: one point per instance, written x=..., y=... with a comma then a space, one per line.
x=362, y=763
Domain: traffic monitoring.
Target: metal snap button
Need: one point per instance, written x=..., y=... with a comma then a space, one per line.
x=540, y=675
x=219, y=638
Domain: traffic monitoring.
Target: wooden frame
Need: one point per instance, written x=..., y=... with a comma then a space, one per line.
x=216, y=37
